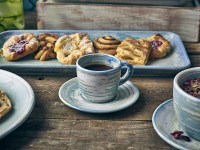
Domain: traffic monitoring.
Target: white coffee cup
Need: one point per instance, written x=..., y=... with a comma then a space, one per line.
x=99, y=76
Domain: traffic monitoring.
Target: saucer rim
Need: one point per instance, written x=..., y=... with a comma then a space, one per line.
x=136, y=90
x=159, y=132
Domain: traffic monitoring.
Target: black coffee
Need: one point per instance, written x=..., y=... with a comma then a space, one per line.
x=98, y=67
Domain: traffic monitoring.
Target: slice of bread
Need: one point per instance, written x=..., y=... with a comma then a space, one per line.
x=5, y=104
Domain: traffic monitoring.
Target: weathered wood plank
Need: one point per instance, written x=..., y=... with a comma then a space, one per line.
x=85, y=135
x=193, y=48
x=184, y=21
x=30, y=20
x=195, y=60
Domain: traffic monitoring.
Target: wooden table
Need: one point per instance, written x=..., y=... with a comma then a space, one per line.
x=53, y=125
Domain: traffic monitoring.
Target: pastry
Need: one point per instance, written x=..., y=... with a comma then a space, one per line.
x=46, y=49
x=106, y=45
x=18, y=46
x=5, y=104
x=160, y=46
x=71, y=47
x=133, y=51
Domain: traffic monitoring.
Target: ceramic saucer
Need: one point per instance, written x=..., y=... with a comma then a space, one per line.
x=69, y=94
x=165, y=122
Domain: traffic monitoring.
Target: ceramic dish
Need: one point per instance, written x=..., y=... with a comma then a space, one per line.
x=165, y=122
x=22, y=98
x=69, y=94
x=176, y=61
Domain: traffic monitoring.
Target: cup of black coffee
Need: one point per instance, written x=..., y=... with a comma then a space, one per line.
x=99, y=76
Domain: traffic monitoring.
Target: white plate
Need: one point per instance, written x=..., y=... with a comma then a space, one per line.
x=22, y=98
x=165, y=122
x=69, y=94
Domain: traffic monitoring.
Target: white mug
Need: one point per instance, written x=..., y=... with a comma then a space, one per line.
x=99, y=76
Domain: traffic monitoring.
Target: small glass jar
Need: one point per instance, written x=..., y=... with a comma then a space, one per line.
x=11, y=15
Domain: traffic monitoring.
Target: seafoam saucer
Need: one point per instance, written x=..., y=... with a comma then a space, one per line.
x=69, y=94
x=165, y=122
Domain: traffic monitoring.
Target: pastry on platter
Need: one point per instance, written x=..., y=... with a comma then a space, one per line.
x=160, y=46
x=71, y=47
x=106, y=45
x=133, y=51
x=18, y=46
x=5, y=104
x=46, y=49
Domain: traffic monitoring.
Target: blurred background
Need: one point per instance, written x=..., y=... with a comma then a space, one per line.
x=29, y=5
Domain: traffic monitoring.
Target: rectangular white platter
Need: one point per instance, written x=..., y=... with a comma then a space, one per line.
x=174, y=62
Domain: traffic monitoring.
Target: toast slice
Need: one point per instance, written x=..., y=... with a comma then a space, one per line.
x=5, y=104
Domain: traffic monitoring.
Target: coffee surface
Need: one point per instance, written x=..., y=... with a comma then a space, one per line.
x=97, y=67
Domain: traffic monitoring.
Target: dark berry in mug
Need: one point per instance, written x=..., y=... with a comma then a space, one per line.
x=192, y=87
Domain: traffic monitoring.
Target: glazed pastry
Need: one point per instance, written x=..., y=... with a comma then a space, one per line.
x=133, y=51
x=5, y=104
x=18, y=46
x=71, y=47
x=160, y=46
x=106, y=45
x=46, y=49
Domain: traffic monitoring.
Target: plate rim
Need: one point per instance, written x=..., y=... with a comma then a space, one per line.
x=27, y=111
x=98, y=111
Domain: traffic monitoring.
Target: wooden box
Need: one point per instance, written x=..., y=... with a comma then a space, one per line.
x=181, y=20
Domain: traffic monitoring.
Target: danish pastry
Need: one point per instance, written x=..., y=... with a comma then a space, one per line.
x=5, y=104
x=71, y=47
x=18, y=46
x=46, y=49
x=160, y=46
x=134, y=51
x=106, y=45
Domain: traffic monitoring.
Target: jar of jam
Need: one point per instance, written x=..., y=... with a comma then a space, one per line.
x=11, y=15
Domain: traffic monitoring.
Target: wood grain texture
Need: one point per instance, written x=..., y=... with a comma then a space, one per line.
x=181, y=20
x=30, y=20
x=192, y=48
x=84, y=135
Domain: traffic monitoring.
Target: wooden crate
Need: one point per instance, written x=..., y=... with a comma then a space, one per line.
x=181, y=20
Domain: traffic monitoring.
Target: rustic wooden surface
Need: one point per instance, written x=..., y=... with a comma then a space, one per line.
x=181, y=20
x=53, y=125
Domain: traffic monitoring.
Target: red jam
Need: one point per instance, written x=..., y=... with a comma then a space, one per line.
x=18, y=47
x=155, y=44
x=192, y=87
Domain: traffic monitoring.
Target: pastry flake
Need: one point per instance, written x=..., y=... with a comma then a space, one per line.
x=71, y=47
x=106, y=45
x=18, y=46
x=133, y=51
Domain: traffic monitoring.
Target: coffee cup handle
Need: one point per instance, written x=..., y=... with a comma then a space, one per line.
x=128, y=74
